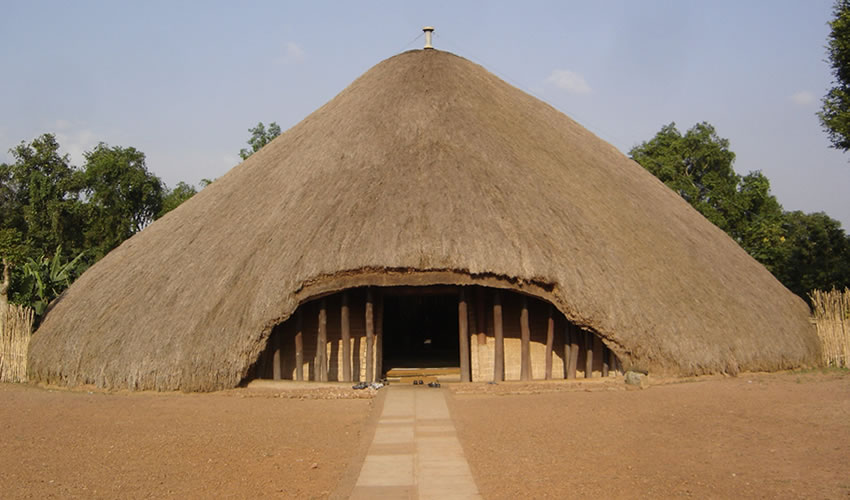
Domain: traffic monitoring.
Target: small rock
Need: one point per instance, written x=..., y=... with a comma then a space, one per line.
x=314, y=466
x=637, y=380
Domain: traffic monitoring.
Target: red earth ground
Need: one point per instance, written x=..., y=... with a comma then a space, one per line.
x=754, y=436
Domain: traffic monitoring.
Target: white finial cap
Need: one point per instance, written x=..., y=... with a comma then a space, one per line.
x=428, y=30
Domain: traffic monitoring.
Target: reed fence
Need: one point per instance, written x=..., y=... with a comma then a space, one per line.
x=15, y=332
x=831, y=313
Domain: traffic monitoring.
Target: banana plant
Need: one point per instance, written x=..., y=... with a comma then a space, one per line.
x=48, y=277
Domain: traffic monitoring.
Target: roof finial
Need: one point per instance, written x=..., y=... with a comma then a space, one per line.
x=428, y=30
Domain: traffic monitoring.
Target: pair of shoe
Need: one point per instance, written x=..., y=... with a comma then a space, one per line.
x=418, y=382
x=360, y=385
x=433, y=384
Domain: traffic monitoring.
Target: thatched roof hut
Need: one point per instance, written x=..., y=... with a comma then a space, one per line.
x=426, y=170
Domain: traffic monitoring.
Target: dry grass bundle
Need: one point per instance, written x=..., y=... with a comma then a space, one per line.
x=15, y=332
x=832, y=317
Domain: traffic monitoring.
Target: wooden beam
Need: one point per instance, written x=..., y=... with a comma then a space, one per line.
x=345, y=326
x=463, y=335
x=299, y=345
x=605, y=352
x=525, y=340
x=322, y=343
x=498, y=332
x=275, y=339
x=566, y=349
x=480, y=319
x=370, y=335
x=550, y=343
x=612, y=361
x=588, y=358
x=574, y=347
x=379, y=335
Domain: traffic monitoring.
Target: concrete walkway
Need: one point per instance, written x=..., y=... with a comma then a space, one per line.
x=415, y=453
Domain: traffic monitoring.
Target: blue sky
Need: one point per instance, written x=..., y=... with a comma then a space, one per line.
x=184, y=80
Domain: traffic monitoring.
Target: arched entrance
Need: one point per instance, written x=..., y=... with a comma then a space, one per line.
x=487, y=334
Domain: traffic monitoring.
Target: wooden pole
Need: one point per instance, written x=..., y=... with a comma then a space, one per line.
x=322, y=343
x=370, y=335
x=481, y=321
x=299, y=345
x=276, y=358
x=379, y=334
x=612, y=361
x=463, y=335
x=499, y=362
x=525, y=332
x=605, y=352
x=345, y=326
x=550, y=343
x=574, y=343
x=588, y=359
x=566, y=349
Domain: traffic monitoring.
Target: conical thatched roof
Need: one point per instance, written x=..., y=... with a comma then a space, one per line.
x=427, y=169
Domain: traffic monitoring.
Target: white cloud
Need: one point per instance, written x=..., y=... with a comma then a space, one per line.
x=292, y=53
x=568, y=81
x=803, y=98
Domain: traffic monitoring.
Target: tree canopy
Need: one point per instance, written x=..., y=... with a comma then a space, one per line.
x=835, y=109
x=57, y=219
x=260, y=136
x=804, y=251
x=122, y=196
x=698, y=165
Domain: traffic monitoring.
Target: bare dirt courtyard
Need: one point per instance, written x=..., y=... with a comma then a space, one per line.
x=754, y=436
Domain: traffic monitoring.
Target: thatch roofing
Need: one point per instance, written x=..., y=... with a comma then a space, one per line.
x=426, y=169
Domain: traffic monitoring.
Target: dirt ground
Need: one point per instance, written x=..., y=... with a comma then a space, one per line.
x=754, y=436
x=233, y=444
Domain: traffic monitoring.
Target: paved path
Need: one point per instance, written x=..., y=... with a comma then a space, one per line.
x=415, y=453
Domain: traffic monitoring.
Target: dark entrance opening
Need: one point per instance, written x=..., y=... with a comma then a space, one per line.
x=420, y=329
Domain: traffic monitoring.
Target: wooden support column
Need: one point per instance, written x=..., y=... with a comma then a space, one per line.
x=463, y=335
x=299, y=345
x=605, y=352
x=480, y=319
x=525, y=333
x=550, y=343
x=499, y=354
x=275, y=339
x=566, y=349
x=574, y=346
x=588, y=359
x=379, y=336
x=345, y=326
x=370, y=335
x=322, y=343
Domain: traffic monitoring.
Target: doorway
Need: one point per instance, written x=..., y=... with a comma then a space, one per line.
x=420, y=329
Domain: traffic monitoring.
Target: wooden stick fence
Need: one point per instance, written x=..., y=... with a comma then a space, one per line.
x=15, y=332
x=832, y=317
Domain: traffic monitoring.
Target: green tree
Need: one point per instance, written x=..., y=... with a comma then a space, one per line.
x=804, y=251
x=260, y=136
x=122, y=196
x=40, y=195
x=699, y=167
x=758, y=226
x=174, y=197
x=818, y=253
x=835, y=110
